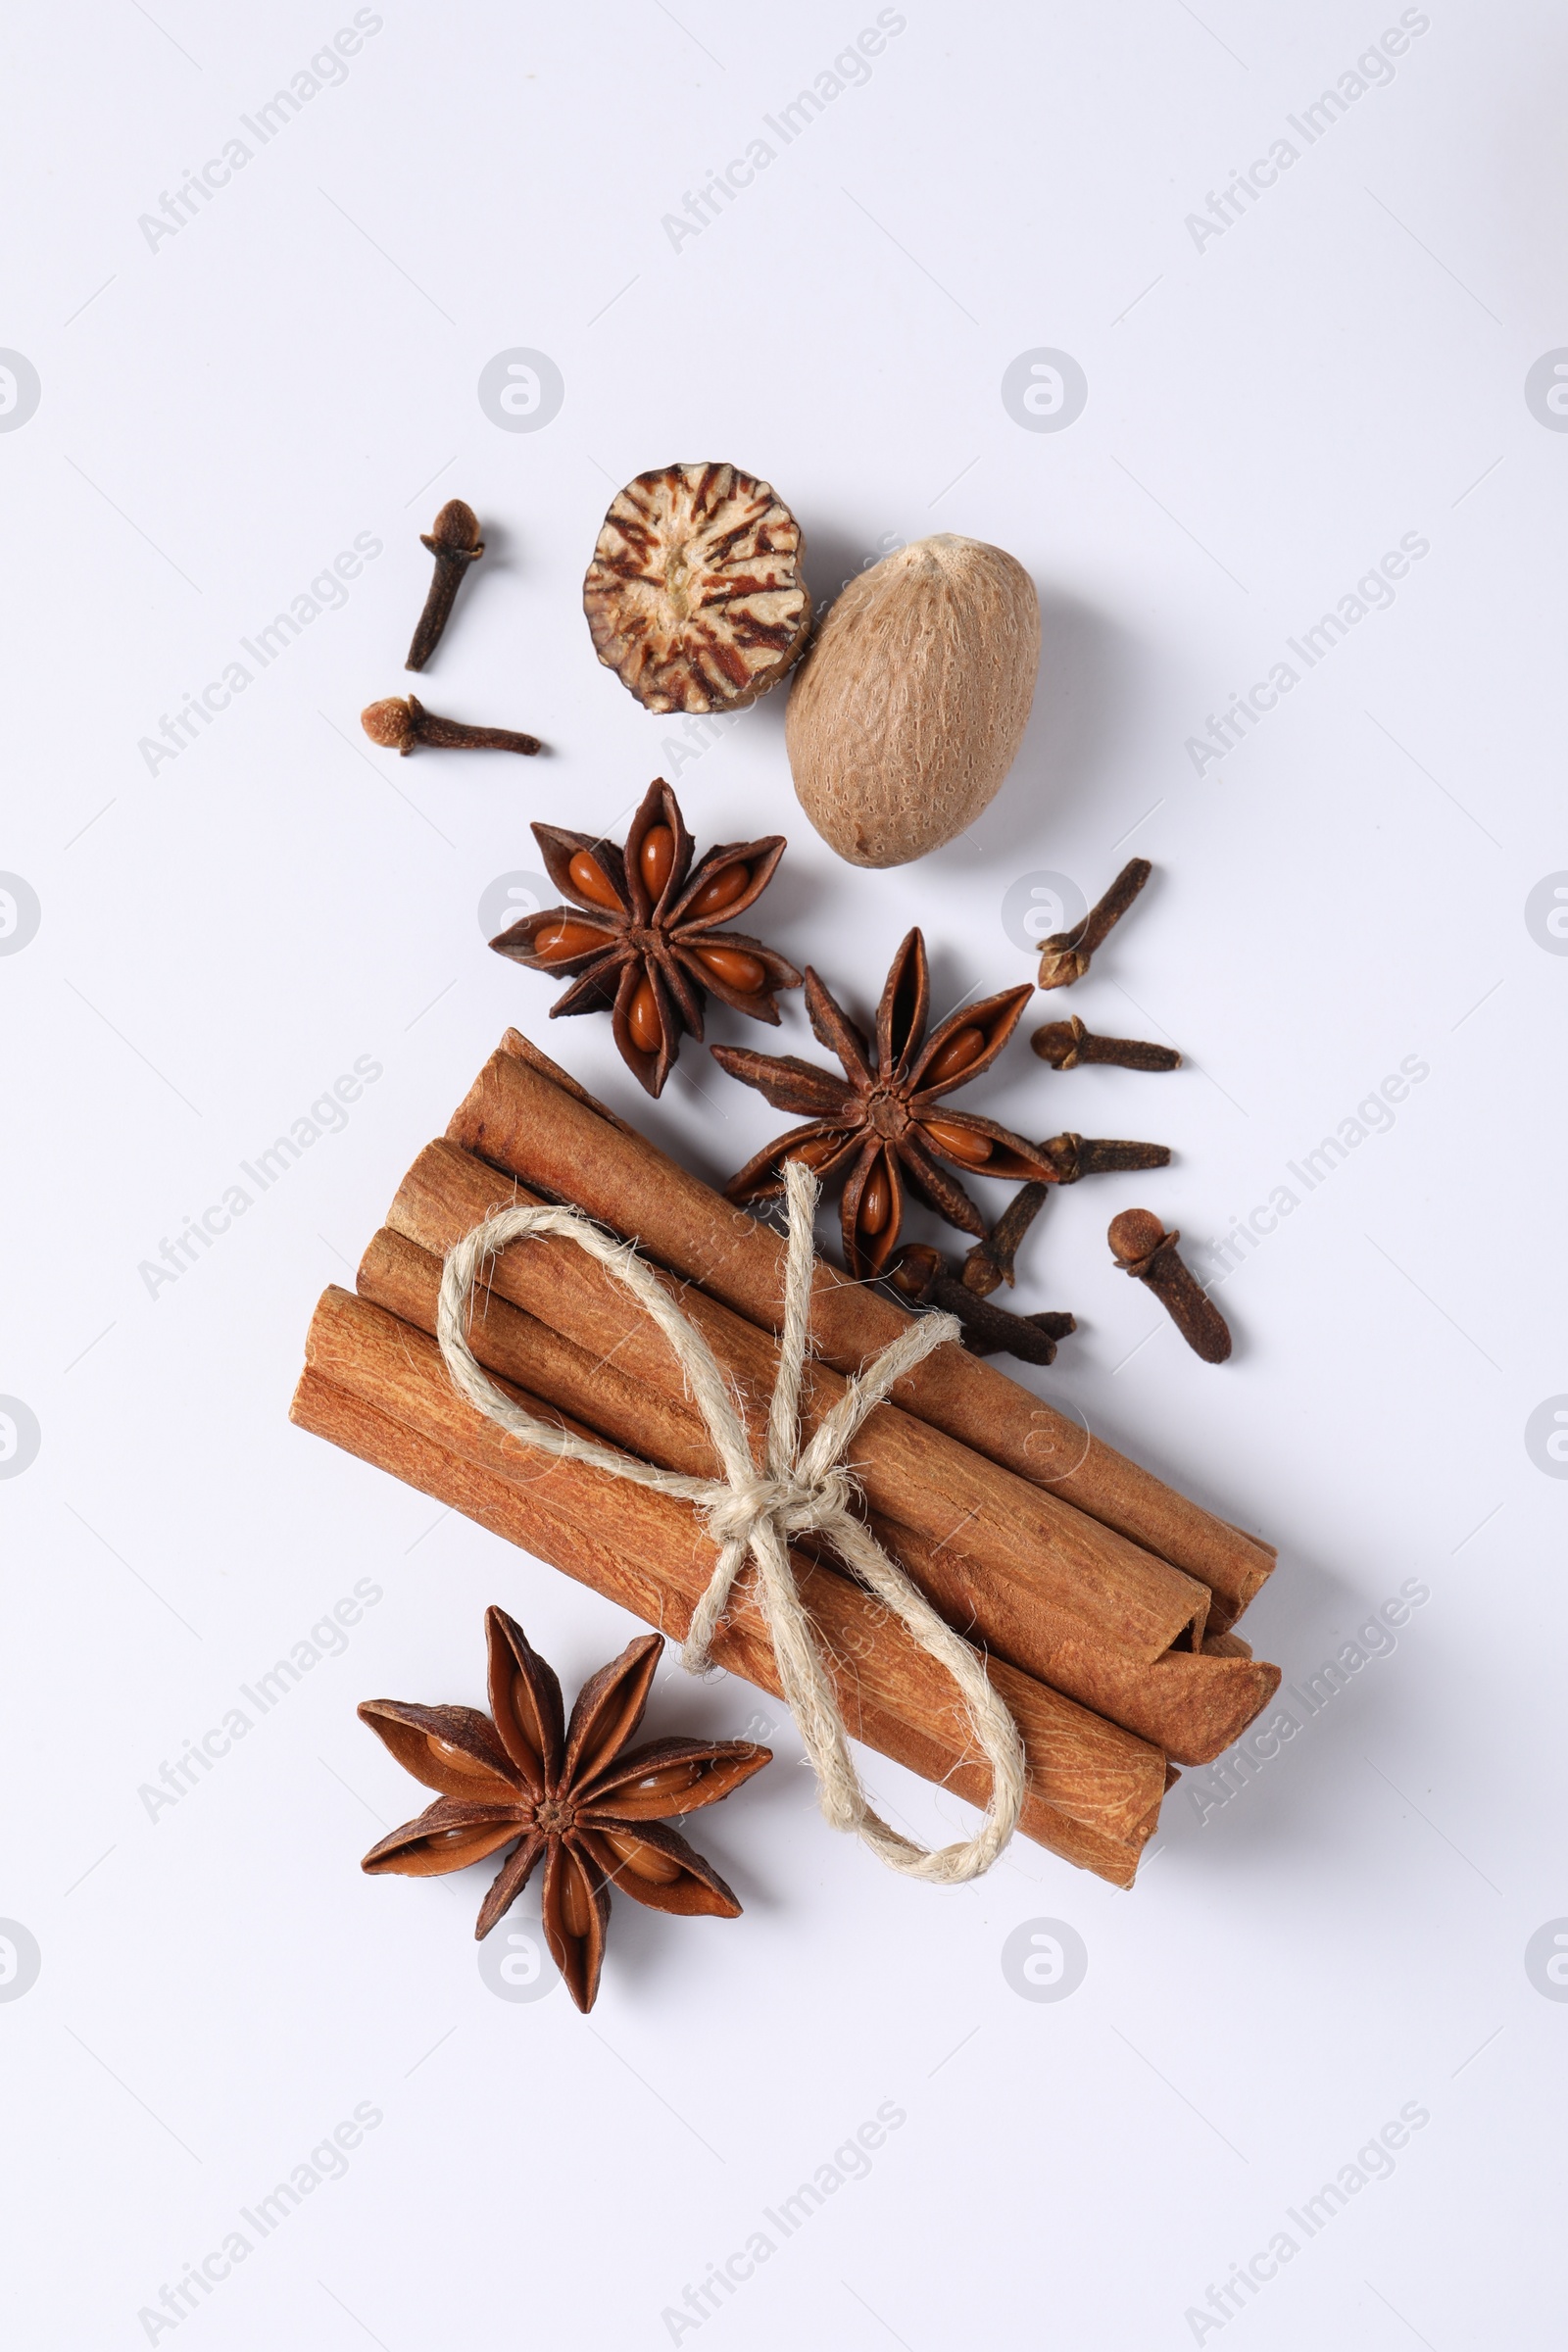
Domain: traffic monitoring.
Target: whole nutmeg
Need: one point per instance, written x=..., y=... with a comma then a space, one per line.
x=909, y=709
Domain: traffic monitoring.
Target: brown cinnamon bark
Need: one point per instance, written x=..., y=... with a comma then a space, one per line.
x=1191, y=1703
x=379, y=1388
x=1042, y=1556
x=346, y=1421
x=524, y=1115
x=395, y=1273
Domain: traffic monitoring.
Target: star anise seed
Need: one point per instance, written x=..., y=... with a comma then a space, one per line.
x=640, y=936
x=884, y=1123
x=592, y=1807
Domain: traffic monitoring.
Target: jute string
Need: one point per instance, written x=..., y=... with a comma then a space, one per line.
x=753, y=1512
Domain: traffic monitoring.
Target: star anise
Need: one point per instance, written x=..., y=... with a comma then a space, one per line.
x=884, y=1121
x=594, y=1809
x=639, y=935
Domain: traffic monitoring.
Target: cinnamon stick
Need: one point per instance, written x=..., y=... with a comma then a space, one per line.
x=526, y=1116
x=1191, y=1703
x=591, y=1390
x=1037, y=1553
x=344, y=1420
x=379, y=1388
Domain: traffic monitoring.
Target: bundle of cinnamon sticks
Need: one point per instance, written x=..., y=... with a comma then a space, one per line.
x=1101, y=1599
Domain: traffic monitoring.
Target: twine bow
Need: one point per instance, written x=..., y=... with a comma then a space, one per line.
x=755, y=1508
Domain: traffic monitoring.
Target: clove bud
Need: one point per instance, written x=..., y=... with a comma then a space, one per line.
x=1065, y=1044
x=990, y=1263
x=455, y=542
x=402, y=722
x=922, y=1277
x=1143, y=1248
x=1064, y=957
x=1075, y=1155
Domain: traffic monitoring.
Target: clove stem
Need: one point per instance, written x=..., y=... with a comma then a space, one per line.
x=455, y=542
x=990, y=1263
x=1142, y=1249
x=1066, y=1044
x=402, y=722
x=1075, y=1155
x=1065, y=955
x=921, y=1276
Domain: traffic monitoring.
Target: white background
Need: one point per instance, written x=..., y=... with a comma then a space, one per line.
x=1269, y=411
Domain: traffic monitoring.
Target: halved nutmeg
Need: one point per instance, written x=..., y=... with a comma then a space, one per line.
x=695, y=596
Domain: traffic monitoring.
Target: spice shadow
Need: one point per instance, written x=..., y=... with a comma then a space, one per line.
x=1087, y=666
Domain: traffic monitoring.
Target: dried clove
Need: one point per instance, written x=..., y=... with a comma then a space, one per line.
x=1143, y=1248
x=922, y=1277
x=1065, y=1044
x=402, y=722
x=1007, y=1336
x=1064, y=957
x=990, y=1263
x=455, y=542
x=1075, y=1155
